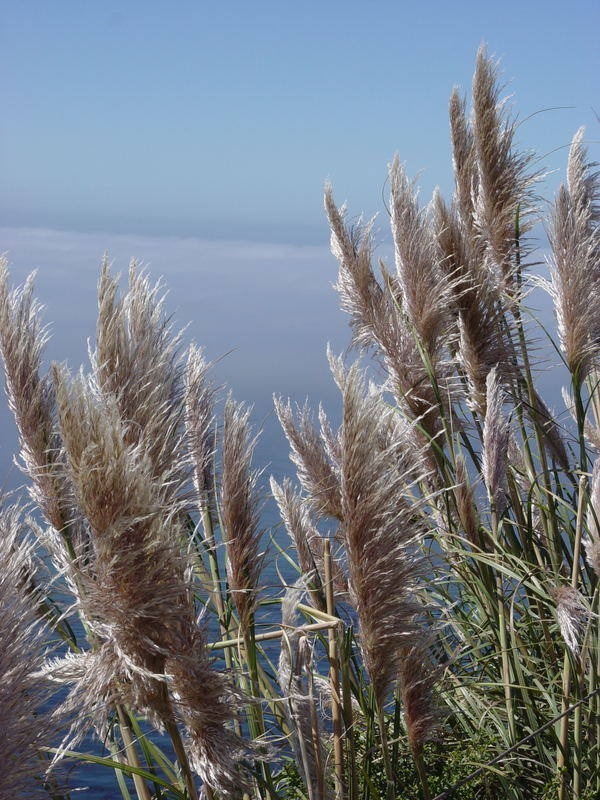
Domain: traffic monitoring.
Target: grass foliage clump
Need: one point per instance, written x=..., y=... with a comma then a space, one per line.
x=438, y=630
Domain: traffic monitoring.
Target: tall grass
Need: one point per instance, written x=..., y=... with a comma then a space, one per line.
x=439, y=625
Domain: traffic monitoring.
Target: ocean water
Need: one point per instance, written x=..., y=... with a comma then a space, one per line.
x=263, y=312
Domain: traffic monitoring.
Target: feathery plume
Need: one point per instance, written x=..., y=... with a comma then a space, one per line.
x=583, y=182
x=138, y=571
x=26, y=723
x=379, y=529
x=504, y=184
x=550, y=430
x=424, y=290
x=137, y=360
x=496, y=434
x=463, y=159
x=572, y=614
x=317, y=473
x=575, y=277
x=418, y=677
x=30, y=396
x=240, y=509
x=465, y=502
x=200, y=422
x=140, y=601
x=591, y=542
x=306, y=538
x=476, y=301
x=308, y=542
x=361, y=295
x=207, y=703
x=330, y=439
x=299, y=704
x=376, y=317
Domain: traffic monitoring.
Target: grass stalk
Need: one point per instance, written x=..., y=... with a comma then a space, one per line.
x=348, y=714
x=334, y=676
x=226, y=644
x=132, y=757
x=563, y=746
x=502, y=632
x=422, y=773
x=385, y=753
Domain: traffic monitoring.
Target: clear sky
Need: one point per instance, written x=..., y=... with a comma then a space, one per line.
x=197, y=136
x=222, y=119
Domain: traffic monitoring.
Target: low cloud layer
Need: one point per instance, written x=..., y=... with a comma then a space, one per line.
x=263, y=312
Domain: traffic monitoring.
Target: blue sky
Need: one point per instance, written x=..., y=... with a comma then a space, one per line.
x=197, y=136
x=223, y=119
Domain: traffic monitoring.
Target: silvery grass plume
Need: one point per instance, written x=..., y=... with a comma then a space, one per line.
x=137, y=360
x=139, y=600
x=466, y=505
x=504, y=184
x=481, y=233
x=551, y=431
x=379, y=527
x=424, y=289
x=376, y=317
x=296, y=517
x=591, y=432
x=136, y=581
x=572, y=614
x=315, y=457
x=592, y=541
x=294, y=673
x=31, y=397
x=200, y=423
x=207, y=703
x=330, y=439
x=240, y=510
x=294, y=510
x=574, y=267
x=464, y=162
x=476, y=304
x=496, y=435
x=23, y=696
x=418, y=677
